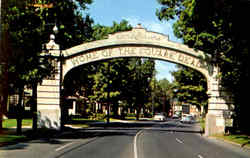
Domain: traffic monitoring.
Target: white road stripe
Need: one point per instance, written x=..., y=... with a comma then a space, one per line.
x=64, y=146
x=135, y=144
x=178, y=140
x=199, y=156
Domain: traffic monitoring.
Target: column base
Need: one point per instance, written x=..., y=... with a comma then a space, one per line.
x=214, y=125
x=48, y=118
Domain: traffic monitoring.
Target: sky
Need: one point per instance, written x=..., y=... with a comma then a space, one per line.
x=105, y=12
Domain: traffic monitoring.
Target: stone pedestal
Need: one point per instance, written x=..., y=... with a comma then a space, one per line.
x=48, y=104
x=214, y=124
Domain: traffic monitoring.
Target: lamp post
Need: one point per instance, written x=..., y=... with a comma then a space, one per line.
x=108, y=97
x=153, y=96
x=60, y=59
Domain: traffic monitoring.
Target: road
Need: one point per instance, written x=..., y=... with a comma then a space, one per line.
x=144, y=139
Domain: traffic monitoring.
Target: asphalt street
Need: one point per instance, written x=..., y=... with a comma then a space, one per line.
x=144, y=139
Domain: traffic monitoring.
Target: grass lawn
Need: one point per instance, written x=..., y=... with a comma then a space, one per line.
x=8, y=123
x=243, y=140
x=202, y=124
x=236, y=138
x=87, y=120
x=130, y=118
x=10, y=138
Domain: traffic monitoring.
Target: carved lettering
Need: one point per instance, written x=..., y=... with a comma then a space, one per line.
x=186, y=59
x=156, y=52
x=81, y=58
x=192, y=62
x=75, y=61
x=198, y=64
x=146, y=51
x=139, y=36
x=180, y=58
x=127, y=51
x=169, y=54
x=107, y=52
x=132, y=51
x=162, y=53
x=91, y=56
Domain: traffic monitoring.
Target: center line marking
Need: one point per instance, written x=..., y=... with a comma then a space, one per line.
x=178, y=140
x=64, y=146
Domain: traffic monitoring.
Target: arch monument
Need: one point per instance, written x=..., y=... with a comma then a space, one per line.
x=135, y=43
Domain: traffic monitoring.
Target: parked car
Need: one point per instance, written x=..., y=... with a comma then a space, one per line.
x=159, y=117
x=175, y=116
x=187, y=119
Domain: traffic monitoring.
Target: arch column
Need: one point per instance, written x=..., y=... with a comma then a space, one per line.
x=49, y=91
x=215, y=120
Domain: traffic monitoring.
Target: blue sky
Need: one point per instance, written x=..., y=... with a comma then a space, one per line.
x=104, y=12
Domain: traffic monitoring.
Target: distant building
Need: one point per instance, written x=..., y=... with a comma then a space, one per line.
x=185, y=109
x=13, y=101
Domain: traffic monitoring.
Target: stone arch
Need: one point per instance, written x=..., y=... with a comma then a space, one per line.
x=135, y=43
x=141, y=43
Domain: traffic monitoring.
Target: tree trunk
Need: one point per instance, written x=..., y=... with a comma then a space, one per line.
x=1, y=113
x=115, y=109
x=34, y=108
x=4, y=52
x=138, y=111
x=3, y=107
x=19, y=111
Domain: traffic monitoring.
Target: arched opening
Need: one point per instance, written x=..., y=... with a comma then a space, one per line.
x=140, y=43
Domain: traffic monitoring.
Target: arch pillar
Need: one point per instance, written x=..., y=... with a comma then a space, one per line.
x=49, y=91
x=215, y=119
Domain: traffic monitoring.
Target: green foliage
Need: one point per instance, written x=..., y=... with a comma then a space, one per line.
x=190, y=87
x=21, y=24
x=208, y=25
x=28, y=27
x=102, y=32
x=25, y=28
x=95, y=80
x=163, y=93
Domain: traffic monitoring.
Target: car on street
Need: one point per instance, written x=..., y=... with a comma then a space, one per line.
x=159, y=117
x=187, y=119
x=175, y=116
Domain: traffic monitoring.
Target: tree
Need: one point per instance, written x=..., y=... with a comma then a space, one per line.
x=91, y=81
x=138, y=88
x=26, y=28
x=190, y=87
x=75, y=27
x=101, y=32
x=21, y=24
x=166, y=94
x=208, y=25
